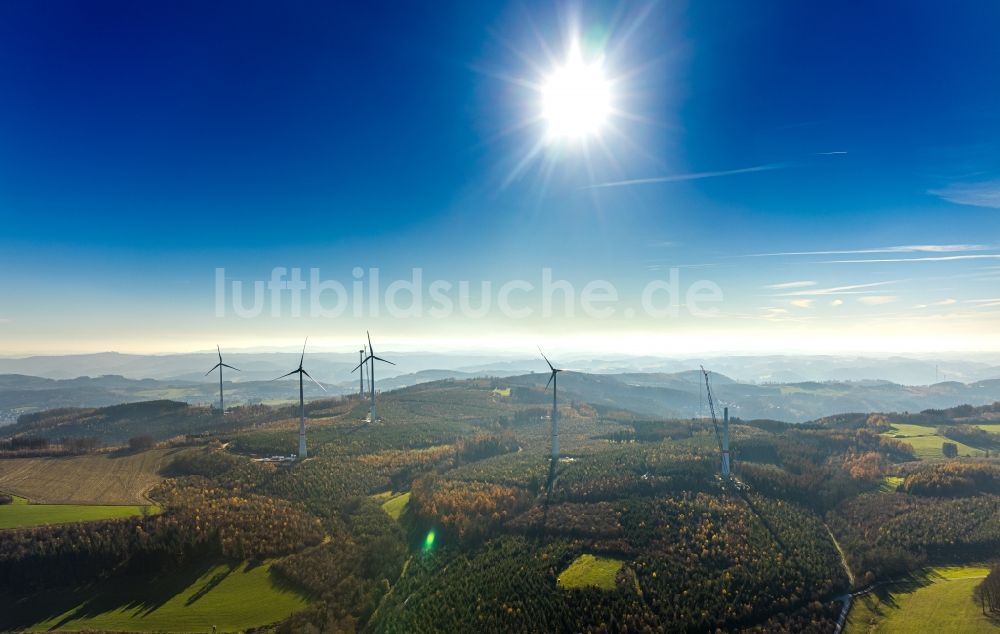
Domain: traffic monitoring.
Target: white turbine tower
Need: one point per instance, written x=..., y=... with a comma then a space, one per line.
x=555, y=407
x=220, y=365
x=371, y=381
x=302, y=403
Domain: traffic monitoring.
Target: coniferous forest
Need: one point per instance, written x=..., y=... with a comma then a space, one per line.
x=488, y=527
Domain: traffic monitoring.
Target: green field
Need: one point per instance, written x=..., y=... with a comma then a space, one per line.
x=21, y=514
x=395, y=504
x=229, y=598
x=891, y=483
x=927, y=443
x=588, y=570
x=942, y=601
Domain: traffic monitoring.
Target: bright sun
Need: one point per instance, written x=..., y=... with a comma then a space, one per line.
x=576, y=98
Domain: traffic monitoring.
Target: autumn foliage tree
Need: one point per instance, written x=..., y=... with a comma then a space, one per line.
x=989, y=591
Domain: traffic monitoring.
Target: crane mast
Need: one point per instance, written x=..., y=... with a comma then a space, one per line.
x=721, y=438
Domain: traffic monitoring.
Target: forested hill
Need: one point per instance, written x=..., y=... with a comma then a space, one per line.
x=673, y=395
x=682, y=395
x=116, y=424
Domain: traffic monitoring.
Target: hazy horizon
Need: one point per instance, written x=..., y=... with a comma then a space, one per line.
x=528, y=350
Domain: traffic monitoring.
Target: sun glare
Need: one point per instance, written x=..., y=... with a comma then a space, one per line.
x=576, y=98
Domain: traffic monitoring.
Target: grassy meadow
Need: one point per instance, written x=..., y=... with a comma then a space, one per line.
x=891, y=483
x=942, y=600
x=22, y=514
x=589, y=570
x=394, y=504
x=230, y=598
x=927, y=442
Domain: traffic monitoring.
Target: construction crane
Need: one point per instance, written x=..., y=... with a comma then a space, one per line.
x=723, y=437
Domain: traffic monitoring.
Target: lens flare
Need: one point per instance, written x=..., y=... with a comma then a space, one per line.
x=429, y=541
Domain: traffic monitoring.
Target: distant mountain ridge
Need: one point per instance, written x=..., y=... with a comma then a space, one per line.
x=656, y=395
x=678, y=396
x=335, y=367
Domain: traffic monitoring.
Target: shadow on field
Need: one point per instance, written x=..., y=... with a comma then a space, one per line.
x=209, y=586
x=138, y=595
x=885, y=595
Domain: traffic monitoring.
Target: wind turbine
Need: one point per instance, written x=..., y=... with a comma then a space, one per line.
x=555, y=408
x=220, y=365
x=371, y=382
x=302, y=403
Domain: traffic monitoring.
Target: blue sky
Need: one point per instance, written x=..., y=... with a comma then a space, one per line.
x=831, y=167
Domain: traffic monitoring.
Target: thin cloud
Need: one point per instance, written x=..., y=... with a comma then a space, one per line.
x=945, y=258
x=982, y=194
x=836, y=153
x=909, y=248
x=852, y=289
x=943, y=302
x=877, y=300
x=773, y=313
x=667, y=267
x=984, y=303
x=798, y=284
x=837, y=302
x=677, y=178
x=802, y=303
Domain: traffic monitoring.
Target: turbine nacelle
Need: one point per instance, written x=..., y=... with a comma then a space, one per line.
x=220, y=364
x=301, y=370
x=552, y=369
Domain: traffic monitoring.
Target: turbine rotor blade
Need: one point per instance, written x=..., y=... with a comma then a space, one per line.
x=303, y=357
x=381, y=359
x=296, y=371
x=314, y=380
x=226, y=365
x=213, y=369
x=220, y=352
x=362, y=363
x=551, y=377
x=370, y=349
x=546, y=358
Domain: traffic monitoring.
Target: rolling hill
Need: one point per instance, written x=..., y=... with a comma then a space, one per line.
x=679, y=395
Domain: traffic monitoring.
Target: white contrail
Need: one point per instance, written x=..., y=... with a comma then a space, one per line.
x=836, y=290
x=910, y=248
x=947, y=258
x=676, y=178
